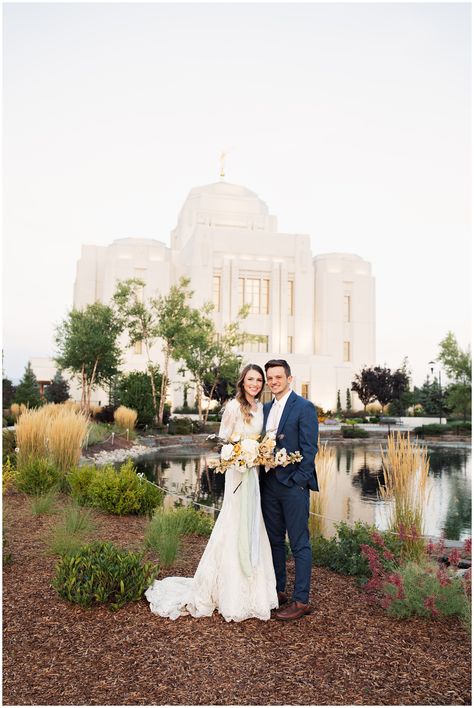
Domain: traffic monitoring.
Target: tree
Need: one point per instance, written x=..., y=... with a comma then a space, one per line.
x=458, y=365
x=8, y=393
x=209, y=357
x=430, y=397
x=348, y=400
x=58, y=389
x=141, y=321
x=338, y=403
x=28, y=390
x=456, y=362
x=173, y=319
x=363, y=385
x=134, y=390
x=87, y=346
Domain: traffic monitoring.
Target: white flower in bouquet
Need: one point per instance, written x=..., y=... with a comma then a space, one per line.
x=249, y=451
x=235, y=437
x=281, y=457
x=227, y=451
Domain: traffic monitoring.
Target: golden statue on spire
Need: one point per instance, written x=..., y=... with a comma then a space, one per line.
x=222, y=161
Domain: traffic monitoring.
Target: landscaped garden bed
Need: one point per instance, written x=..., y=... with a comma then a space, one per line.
x=346, y=652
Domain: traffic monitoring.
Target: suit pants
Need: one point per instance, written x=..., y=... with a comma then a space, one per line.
x=287, y=509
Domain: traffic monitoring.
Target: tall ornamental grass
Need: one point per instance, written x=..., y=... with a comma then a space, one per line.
x=125, y=418
x=406, y=488
x=163, y=533
x=54, y=432
x=318, y=500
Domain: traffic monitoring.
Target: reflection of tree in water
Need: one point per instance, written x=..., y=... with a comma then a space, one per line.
x=447, y=460
x=368, y=478
x=458, y=516
x=154, y=470
x=212, y=486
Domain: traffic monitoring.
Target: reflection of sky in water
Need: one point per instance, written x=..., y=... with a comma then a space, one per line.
x=352, y=492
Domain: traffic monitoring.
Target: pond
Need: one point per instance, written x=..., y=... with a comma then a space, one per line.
x=353, y=494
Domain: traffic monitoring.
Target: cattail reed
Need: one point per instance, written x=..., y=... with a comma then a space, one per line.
x=125, y=418
x=406, y=487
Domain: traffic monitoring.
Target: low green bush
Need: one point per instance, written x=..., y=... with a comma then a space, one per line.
x=192, y=521
x=8, y=446
x=180, y=426
x=353, y=432
x=114, y=491
x=37, y=476
x=460, y=426
x=431, y=429
x=102, y=573
x=186, y=409
x=426, y=591
x=342, y=552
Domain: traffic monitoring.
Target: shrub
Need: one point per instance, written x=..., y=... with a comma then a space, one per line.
x=343, y=552
x=70, y=533
x=115, y=491
x=134, y=391
x=431, y=429
x=105, y=415
x=460, y=426
x=180, y=426
x=8, y=446
x=353, y=432
x=37, y=476
x=186, y=409
x=125, y=418
x=8, y=475
x=101, y=573
x=98, y=432
x=192, y=521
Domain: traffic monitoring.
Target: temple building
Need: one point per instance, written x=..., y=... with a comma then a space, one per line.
x=316, y=311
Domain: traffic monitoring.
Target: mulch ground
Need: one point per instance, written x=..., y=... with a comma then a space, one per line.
x=345, y=653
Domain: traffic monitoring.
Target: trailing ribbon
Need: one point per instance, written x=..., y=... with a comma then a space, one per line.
x=249, y=521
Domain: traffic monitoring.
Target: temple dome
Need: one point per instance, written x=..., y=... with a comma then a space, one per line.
x=224, y=205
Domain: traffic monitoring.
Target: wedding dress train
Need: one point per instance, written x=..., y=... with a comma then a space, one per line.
x=235, y=574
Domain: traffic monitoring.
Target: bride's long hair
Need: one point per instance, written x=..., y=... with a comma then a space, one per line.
x=240, y=394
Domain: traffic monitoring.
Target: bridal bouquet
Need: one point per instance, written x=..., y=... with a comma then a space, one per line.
x=250, y=452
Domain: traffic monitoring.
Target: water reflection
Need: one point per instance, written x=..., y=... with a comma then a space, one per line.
x=353, y=488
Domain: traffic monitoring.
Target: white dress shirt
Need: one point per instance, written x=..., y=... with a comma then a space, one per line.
x=273, y=420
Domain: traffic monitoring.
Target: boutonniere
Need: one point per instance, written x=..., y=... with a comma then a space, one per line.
x=281, y=436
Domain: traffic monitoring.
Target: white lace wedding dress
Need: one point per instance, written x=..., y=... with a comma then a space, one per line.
x=235, y=574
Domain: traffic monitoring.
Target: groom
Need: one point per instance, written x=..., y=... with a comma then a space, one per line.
x=285, y=490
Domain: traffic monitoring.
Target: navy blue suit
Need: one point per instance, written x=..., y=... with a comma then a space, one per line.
x=285, y=493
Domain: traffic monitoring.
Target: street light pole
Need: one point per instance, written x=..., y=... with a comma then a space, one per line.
x=432, y=364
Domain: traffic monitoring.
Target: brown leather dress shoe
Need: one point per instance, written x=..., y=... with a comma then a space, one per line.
x=282, y=598
x=293, y=611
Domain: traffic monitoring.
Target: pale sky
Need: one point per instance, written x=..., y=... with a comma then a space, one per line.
x=351, y=121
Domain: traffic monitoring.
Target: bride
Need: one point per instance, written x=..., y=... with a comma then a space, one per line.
x=235, y=574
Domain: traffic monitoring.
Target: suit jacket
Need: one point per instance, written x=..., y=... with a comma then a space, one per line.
x=297, y=431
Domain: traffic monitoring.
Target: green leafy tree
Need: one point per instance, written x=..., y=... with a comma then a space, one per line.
x=140, y=319
x=58, y=389
x=211, y=358
x=28, y=390
x=458, y=365
x=134, y=390
x=87, y=346
x=174, y=316
x=430, y=397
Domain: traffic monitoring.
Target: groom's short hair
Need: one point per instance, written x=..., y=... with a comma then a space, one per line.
x=278, y=362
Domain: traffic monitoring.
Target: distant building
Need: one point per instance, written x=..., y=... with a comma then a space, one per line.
x=318, y=311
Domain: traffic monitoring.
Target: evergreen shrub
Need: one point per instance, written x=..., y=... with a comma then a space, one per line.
x=349, y=431
x=342, y=552
x=8, y=446
x=180, y=426
x=100, y=572
x=114, y=491
x=38, y=475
